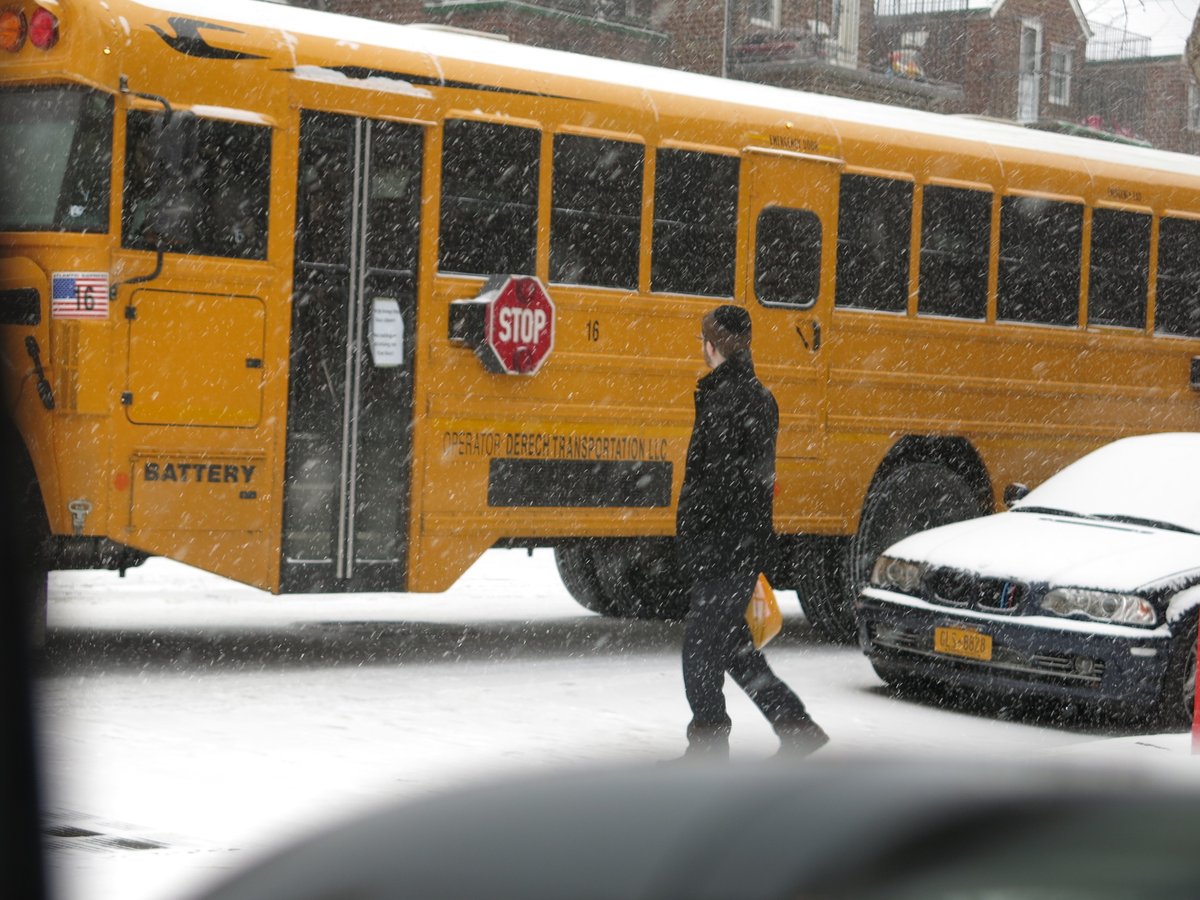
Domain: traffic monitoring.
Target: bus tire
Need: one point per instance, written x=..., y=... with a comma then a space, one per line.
x=1178, y=698
x=625, y=578
x=640, y=578
x=910, y=497
x=818, y=572
x=575, y=568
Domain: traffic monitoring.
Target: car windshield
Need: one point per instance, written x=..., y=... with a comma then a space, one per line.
x=1148, y=480
x=57, y=150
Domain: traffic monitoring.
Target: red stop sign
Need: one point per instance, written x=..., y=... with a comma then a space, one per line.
x=519, y=327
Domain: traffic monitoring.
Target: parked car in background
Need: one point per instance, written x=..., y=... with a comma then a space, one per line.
x=804, y=43
x=1086, y=589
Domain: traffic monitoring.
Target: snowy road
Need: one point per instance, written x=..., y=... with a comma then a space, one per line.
x=191, y=724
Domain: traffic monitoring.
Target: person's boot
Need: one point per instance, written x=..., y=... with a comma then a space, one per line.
x=706, y=743
x=799, y=739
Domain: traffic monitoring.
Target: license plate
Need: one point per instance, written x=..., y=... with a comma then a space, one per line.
x=963, y=642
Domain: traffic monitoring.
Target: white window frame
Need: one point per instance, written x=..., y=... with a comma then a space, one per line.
x=774, y=14
x=1029, y=84
x=1062, y=62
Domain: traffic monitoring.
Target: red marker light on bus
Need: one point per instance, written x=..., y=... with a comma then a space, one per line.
x=43, y=29
x=12, y=30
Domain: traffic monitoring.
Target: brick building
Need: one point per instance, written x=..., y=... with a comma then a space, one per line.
x=1130, y=90
x=1014, y=59
x=1039, y=62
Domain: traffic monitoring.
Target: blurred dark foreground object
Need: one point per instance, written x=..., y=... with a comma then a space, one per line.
x=837, y=828
x=20, y=833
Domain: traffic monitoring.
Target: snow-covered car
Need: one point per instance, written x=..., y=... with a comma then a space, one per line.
x=1086, y=589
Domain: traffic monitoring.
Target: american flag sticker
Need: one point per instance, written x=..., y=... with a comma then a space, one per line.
x=79, y=295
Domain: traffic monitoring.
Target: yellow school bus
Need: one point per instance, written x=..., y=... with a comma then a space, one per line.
x=323, y=304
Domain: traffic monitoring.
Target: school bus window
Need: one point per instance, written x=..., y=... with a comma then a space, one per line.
x=1040, y=252
x=595, y=220
x=874, y=225
x=956, y=228
x=1119, y=276
x=1177, y=310
x=489, y=198
x=220, y=204
x=787, y=257
x=695, y=223
x=394, y=196
x=56, y=145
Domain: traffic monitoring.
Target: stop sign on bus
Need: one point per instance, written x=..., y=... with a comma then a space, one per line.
x=519, y=326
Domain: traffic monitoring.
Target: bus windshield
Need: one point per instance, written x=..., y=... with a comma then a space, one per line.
x=57, y=150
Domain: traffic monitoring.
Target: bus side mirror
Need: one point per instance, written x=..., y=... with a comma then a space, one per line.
x=176, y=158
x=1013, y=493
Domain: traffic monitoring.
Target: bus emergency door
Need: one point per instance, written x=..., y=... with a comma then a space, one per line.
x=349, y=434
x=793, y=236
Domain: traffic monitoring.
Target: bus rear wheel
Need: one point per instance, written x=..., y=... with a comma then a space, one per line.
x=631, y=578
x=578, y=574
x=910, y=497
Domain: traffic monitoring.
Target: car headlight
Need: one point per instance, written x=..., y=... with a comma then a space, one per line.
x=896, y=575
x=1127, y=609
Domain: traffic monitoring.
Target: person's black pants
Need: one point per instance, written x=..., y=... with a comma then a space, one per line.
x=716, y=640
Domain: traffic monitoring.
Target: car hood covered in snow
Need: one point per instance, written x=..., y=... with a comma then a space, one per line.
x=1153, y=477
x=1056, y=550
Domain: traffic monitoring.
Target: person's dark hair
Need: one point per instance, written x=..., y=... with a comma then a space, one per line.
x=727, y=328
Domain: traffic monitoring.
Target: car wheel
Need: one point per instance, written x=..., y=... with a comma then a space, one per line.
x=1177, y=703
x=912, y=497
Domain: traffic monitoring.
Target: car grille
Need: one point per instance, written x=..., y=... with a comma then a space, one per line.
x=957, y=588
x=1046, y=666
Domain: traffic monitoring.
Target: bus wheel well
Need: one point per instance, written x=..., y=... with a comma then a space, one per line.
x=955, y=453
x=923, y=482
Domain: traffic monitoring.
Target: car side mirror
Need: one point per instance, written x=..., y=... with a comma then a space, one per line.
x=1013, y=493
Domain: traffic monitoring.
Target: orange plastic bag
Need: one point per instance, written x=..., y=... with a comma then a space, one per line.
x=763, y=615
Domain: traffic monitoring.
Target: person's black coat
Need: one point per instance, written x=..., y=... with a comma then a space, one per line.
x=723, y=521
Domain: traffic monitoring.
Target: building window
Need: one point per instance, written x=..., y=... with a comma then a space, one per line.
x=1193, y=107
x=1061, y=61
x=1029, y=69
x=765, y=13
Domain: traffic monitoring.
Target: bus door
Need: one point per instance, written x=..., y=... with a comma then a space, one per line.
x=349, y=434
x=793, y=234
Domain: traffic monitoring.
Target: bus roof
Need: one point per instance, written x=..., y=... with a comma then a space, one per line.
x=446, y=50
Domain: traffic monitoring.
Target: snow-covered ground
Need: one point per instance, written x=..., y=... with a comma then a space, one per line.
x=192, y=724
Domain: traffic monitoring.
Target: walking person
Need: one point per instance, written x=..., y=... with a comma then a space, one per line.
x=723, y=539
